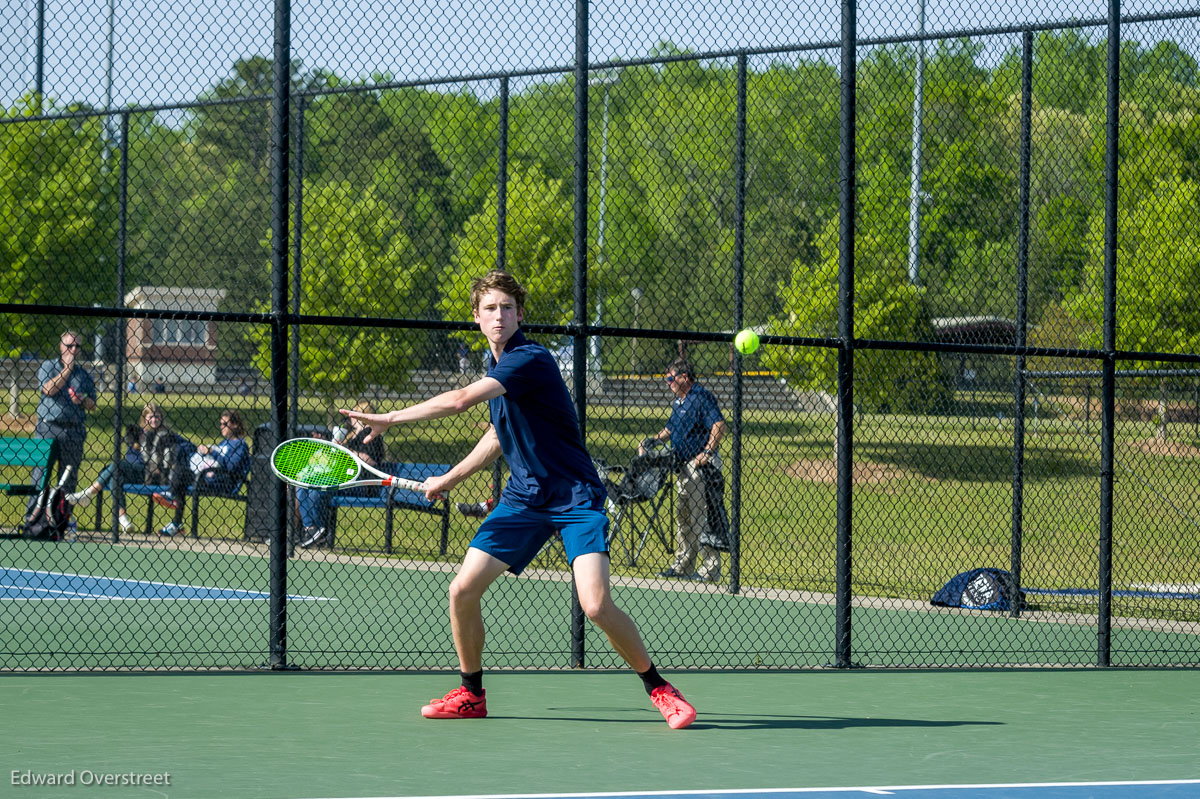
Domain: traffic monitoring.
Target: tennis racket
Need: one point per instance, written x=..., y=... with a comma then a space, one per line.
x=313, y=463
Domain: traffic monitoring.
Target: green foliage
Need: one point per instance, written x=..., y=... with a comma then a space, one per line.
x=1158, y=273
x=357, y=260
x=57, y=201
x=538, y=245
x=887, y=306
x=422, y=162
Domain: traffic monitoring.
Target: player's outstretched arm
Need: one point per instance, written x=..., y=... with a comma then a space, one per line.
x=445, y=404
x=483, y=455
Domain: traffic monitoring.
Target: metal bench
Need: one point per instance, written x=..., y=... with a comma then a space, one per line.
x=237, y=493
x=27, y=452
x=392, y=498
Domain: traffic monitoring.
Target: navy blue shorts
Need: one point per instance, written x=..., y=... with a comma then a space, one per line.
x=514, y=536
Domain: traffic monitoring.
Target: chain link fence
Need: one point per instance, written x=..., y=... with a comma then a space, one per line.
x=979, y=357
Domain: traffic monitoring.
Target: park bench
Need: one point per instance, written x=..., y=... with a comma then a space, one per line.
x=19, y=453
x=195, y=493
x=392, y=498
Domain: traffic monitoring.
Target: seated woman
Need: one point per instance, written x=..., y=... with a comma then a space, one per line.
x=215, y=469
x=148, y=460
x=314, y=504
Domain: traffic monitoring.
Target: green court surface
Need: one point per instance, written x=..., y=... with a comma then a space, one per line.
x=293, y=735
x=390, y=615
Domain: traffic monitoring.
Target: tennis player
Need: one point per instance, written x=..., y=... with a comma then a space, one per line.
x=552, y=486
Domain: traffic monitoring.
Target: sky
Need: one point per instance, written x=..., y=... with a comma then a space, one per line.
x=171, y=51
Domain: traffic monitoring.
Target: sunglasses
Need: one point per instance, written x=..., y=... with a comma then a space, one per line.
x=670, y=378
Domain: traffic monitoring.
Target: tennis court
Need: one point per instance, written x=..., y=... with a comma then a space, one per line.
x=190, y=608
x=300, y=735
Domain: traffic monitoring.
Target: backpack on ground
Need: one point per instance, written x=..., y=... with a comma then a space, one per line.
x=51, y=512
x=980, y=589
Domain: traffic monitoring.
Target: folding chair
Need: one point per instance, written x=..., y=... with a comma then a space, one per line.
x=636, y=496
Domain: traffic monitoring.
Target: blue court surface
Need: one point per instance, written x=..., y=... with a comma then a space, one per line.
x=32, y=584
x=1153, y=789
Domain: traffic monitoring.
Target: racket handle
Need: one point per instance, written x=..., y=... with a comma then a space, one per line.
x=401, y=482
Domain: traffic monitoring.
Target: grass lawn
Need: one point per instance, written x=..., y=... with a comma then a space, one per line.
x=933, y=497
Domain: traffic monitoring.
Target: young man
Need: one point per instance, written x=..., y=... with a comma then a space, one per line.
x=553, y=486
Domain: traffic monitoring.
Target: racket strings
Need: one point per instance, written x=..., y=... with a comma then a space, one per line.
x=314, y=463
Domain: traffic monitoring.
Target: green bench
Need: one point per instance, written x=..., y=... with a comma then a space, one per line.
x=22, y=452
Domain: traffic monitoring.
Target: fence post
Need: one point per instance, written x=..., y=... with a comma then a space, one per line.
x=502, y=180
x=1018, y=498
x=297, y=290
x=1108, y=380
x=739, y=238
x=118, y=491
x=581, y=274
x=280, y=143
x=845, y=378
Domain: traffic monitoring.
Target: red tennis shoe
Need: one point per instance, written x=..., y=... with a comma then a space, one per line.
x=459, y=704
x=675, y=709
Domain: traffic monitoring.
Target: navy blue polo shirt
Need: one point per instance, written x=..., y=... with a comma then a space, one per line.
x=691, y=421
x=535, y=420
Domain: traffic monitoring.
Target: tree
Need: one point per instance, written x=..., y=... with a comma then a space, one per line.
x=539, y=246
x=1158, y=273
x=887, y=306
x=57, y=203
x=359, y=262
x=1158, y=278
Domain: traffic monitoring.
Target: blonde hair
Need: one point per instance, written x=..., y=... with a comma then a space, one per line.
x=152, y=407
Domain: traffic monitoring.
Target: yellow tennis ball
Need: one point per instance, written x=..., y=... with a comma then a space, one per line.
x=746, y=342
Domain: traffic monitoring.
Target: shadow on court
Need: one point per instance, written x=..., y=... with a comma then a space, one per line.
x=738, y=721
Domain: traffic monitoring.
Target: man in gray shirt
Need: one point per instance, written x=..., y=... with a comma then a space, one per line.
x=68, y=392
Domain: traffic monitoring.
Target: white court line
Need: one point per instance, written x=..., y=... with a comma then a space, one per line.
x=874, y=789
x=250, y=596
x=68, y=594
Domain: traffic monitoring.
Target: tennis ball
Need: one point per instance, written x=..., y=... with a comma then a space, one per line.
x=746, y=342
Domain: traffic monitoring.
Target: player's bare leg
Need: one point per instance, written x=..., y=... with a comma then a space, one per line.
x=595, y=597
x=479, y=570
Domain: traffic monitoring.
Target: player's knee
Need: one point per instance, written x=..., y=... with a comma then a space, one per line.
x=462, y=590
x=597, y=608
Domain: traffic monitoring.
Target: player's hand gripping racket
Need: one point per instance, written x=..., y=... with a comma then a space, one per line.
x=313, y=463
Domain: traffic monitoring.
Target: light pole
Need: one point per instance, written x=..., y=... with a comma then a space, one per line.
x=605, y=79
x=637, y=295
x=108, y=81
x=914, y=189
x=39, y=75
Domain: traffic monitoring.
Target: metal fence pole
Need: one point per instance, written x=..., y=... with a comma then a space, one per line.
x=1018, y=498
x=501, y=233
x=297, y=264
x=280, y=142
x=1108, y=380
x=502, y=180
x=39, y=76
x=122, y=240
x=845, y=378
x=739, y=239
x=581, y=274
